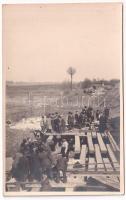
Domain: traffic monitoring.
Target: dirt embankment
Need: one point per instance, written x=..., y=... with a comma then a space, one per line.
x=113, y=102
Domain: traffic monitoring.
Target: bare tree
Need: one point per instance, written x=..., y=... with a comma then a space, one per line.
x=71, y=71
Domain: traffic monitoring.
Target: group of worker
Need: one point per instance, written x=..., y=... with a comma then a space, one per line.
x=37, y=159
x=58, y=123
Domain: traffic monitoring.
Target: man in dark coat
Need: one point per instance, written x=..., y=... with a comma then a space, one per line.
x=76, y=119
x=97, y=115
x=102, y=123
x=61, y=166
x=35, y=168
x=52, y=121
x=106, y=113
x=23, y=146
x=57, y=123
x=70, y=121
x=20, y=167
x=46, y=162
x=63, y=125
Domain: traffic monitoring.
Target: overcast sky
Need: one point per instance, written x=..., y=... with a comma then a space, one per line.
x=41, y=41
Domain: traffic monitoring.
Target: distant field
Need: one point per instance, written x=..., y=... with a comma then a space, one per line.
x=28, y=101
x=24, y=101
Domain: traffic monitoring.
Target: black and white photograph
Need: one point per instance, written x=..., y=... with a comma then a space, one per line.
x=63, y=99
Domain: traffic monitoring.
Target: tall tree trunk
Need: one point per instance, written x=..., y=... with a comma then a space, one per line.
x=71, y=81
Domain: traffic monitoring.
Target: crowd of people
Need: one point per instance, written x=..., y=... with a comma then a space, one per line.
x=55, y=122
x=42, y=159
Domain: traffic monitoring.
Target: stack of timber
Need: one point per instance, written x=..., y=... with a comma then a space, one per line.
x=96, y=156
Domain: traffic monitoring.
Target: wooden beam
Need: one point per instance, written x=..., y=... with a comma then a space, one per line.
x=108, y=165
x=77, y=144
x=113, y=141
x=67, y=133
x=108, y=182
x=91, y=164
x=83, y=154
x=69, y=189
x=100, y=164
x=101, y=143
x=90, y=143
x=94, y=135
x=35, y=186
x=113, y=158
x=72, y=181
x=113, y=146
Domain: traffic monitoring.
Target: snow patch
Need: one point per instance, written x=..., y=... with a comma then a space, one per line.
x=29, y=123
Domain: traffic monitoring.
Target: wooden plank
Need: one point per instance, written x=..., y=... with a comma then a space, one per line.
x=77, y=144
x=94, y=135
x=69, y=189
x=35, y=189
x=83, y=154
x=67, y=133
x=108, y=182
x=72, y=181
x=100, y=164
x=113, y=141
x=91, y=164
x=101, y=143
x=113, y=158
x=108, y=165
x=90, y=143
x=113, y=146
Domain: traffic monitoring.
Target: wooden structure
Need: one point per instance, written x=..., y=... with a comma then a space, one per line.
x=96, y=157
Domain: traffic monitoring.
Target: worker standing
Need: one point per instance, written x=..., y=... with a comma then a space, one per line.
x=106, y=112
x=76, y=119
x=70, y=120
x=61, y=167
x=43, y=124
x=64, y=148
x=102, y=123
x=97, y=115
